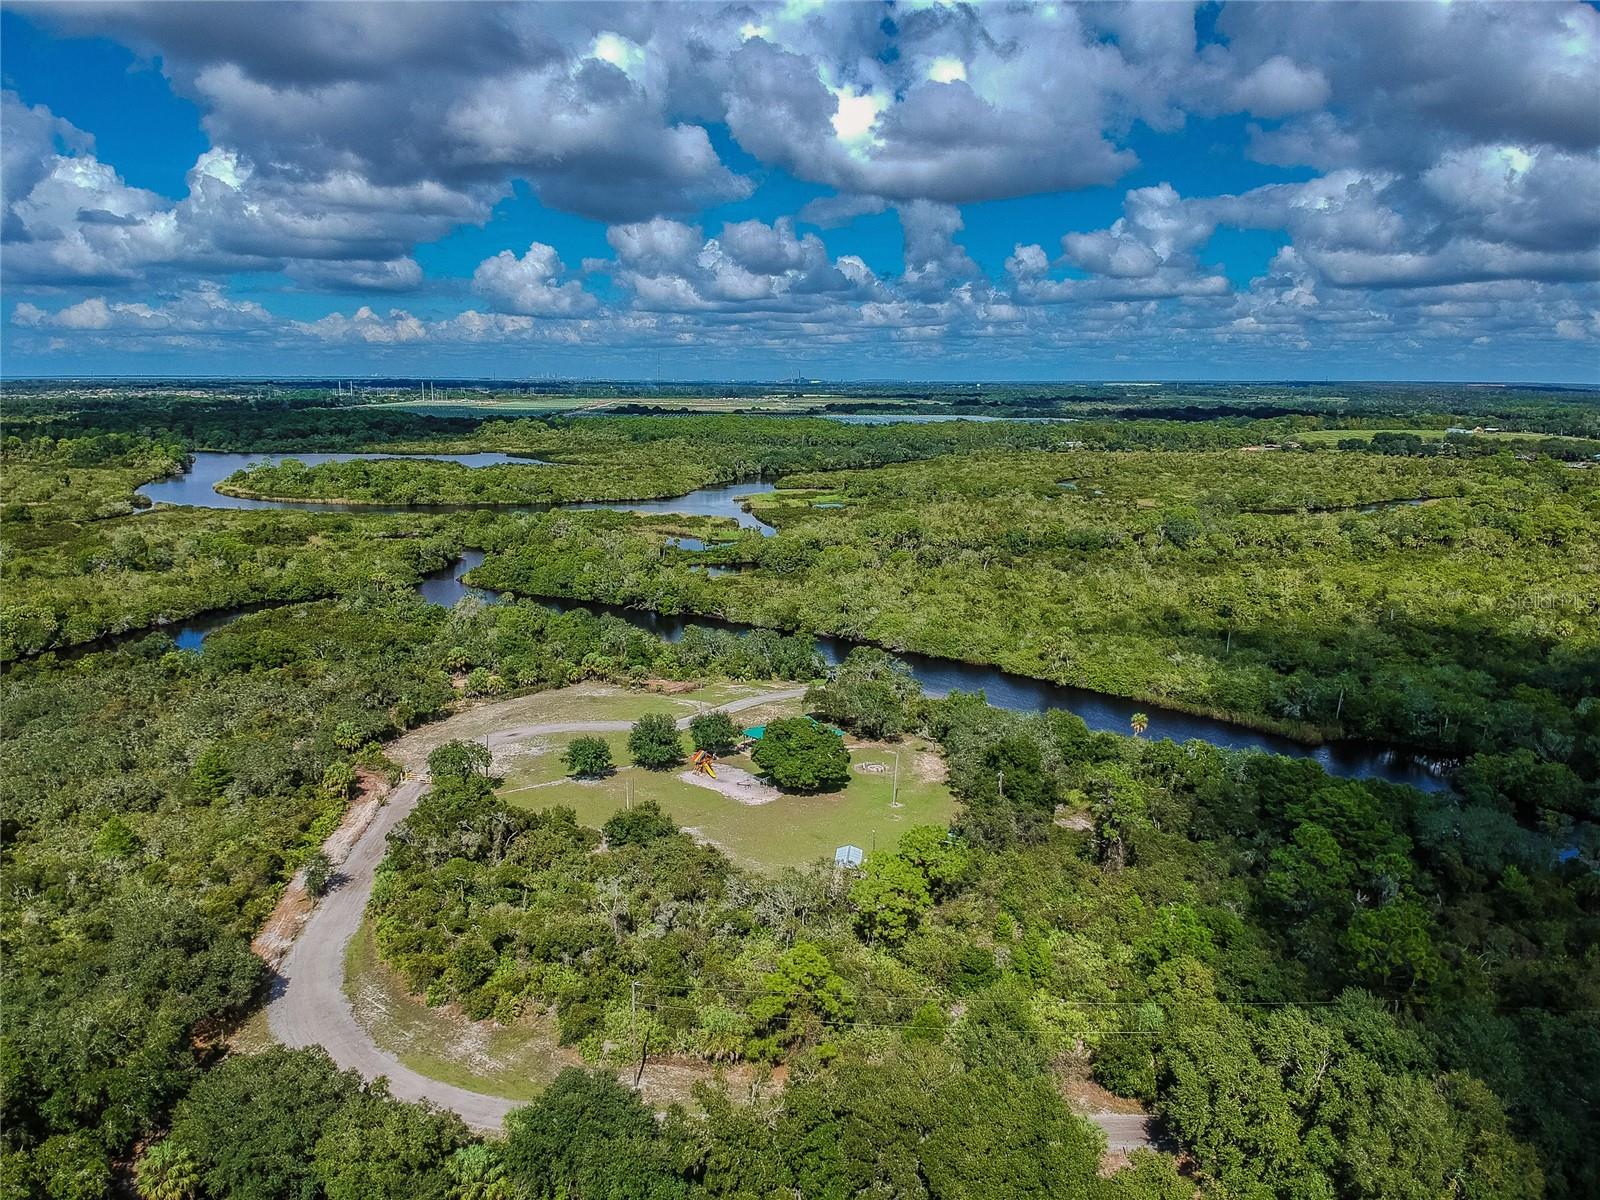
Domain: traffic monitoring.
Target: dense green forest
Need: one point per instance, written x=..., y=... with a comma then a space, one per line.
x=1323, y=988
x=1252, y=585
x=626, y=458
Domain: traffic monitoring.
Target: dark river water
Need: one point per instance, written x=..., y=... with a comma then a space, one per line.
x=938, y=676
x=941, y=676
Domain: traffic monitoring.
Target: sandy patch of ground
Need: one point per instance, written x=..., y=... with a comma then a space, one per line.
x=734, y=784
x=917, y=758
x=505, y=755
x=673, y=1080
x=929, y=765
x=446, y=1037
x=1126, y=1124
x=516, y=1061
x=1087, y=1096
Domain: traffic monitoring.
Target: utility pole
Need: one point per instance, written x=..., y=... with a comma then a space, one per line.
x=633, y=1029
x=894, y=786
x=1002, y=786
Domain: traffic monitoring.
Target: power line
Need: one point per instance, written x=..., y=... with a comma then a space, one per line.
x=747, y=991
x=857, y=1024
x=1094, y=1033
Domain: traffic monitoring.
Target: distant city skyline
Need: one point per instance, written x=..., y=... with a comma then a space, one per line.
x=848, y=192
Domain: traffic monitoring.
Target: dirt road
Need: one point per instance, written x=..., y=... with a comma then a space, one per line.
x=308, y=1006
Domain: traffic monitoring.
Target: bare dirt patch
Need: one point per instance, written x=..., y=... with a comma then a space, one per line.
x=929, y=766
x=1087, y=1096
x=734, y=784
x=505, y=755
x=919, y=759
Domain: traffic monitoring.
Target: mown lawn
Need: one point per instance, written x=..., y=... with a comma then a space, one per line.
x=789, y=831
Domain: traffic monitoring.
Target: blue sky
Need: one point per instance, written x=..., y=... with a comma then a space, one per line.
x=850, y=191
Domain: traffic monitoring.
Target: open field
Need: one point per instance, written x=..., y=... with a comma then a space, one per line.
x=788, y=831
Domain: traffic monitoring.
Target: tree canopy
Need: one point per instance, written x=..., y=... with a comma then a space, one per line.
x=655, y=742
x=799, y=755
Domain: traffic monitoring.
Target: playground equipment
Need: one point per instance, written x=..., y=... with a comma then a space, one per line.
x=702, y=762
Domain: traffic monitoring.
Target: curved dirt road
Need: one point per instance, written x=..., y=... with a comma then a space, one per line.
x=308, y=1006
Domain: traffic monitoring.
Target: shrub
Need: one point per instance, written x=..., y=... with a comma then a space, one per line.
x=459, y=760
x=588, y=757
x=714, y=732
x=319, y=873
x=166, y=1171
x=644, y=822
x=654, y=741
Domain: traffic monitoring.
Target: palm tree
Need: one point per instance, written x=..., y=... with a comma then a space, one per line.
x=476, y=1173
x=166, y=1172
x=1140, y=723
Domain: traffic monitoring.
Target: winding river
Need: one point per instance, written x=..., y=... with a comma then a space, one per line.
x=938, y=676
x=197, y=488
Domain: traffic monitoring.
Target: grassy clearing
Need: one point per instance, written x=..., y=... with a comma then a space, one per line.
x=790, y=831
x=253, y=1034
x=512, y=1061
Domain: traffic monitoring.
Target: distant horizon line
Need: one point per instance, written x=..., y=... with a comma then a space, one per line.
x=579, y=381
